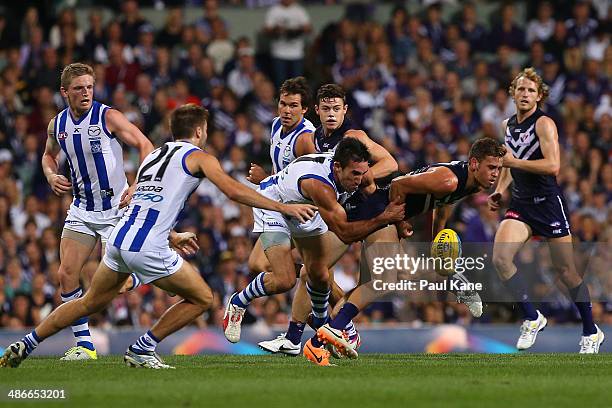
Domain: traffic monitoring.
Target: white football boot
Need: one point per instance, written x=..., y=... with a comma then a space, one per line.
x=530, y=330
x=338, y=338
x=145, y=360
x=281, y=345
x=590, y=344
x=232, y=320
x=472, y=300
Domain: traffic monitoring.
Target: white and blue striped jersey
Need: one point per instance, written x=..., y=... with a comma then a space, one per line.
x=163, y=186
x=282, y=146
x=317, y=166
x=94, y=156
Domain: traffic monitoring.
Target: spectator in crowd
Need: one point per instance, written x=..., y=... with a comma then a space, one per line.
x=287, y=23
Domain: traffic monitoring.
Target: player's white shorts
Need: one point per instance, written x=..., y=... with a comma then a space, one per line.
x=93, y=223
x=272, y=221
x=149, y=266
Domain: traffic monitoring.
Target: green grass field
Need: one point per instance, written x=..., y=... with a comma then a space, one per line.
x=411, y=380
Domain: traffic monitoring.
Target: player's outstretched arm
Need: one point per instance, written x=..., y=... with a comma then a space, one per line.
x=549, y=144
x=203, y=163
x=384, y=163
x=438, y=181
x=335, y=217
x=59, y=184
x=117, y=123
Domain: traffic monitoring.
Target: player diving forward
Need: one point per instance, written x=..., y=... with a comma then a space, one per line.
x=331, y=108
x=537, y=208
x=326, y=181
x=435, y=187
x=88, y=132
x=139, y=242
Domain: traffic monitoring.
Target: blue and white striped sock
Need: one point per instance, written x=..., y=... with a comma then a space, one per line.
x=319, y=302
x=31, y=342
x=254, y=290
x=350, y=329
x=146, y=343
x=80, y=328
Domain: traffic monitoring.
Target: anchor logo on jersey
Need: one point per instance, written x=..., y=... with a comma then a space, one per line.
x=523, y=136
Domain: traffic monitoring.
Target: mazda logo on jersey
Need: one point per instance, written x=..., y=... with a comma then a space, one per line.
x=94, y=130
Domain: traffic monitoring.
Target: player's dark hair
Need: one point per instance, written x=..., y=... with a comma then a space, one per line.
x=74, y=70
x=330, y=91
x=531, y=74
x=297, y=86
x=350, y=149
x=185, y=119
x=485, y=147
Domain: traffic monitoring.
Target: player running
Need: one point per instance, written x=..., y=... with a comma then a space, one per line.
x=537, y=208
x=140, y=242
x=88, y=132
x=435, y=187
x=325, y=180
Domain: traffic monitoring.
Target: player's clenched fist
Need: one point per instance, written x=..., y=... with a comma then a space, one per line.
x=394, y=212
x=256, y=174
x=59, y=184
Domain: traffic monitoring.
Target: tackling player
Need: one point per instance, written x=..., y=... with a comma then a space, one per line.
x=435, y=187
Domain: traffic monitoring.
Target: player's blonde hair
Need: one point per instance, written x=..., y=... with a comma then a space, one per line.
x=531, y=74
x=74, y=70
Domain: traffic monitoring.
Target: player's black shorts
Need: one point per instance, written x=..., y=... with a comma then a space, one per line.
x=363, y=207
x=546, y=215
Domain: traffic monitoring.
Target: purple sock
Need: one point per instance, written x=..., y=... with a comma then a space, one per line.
x=582, y=299
x=518, y=289
x=295, y=331
x=344, y=316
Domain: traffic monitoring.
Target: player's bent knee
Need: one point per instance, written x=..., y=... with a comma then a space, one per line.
x=319, y=273
x=206, y=300
x=257, y=265
x=568, y=276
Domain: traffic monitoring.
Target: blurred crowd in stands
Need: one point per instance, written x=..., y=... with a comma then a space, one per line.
x=423, y=84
